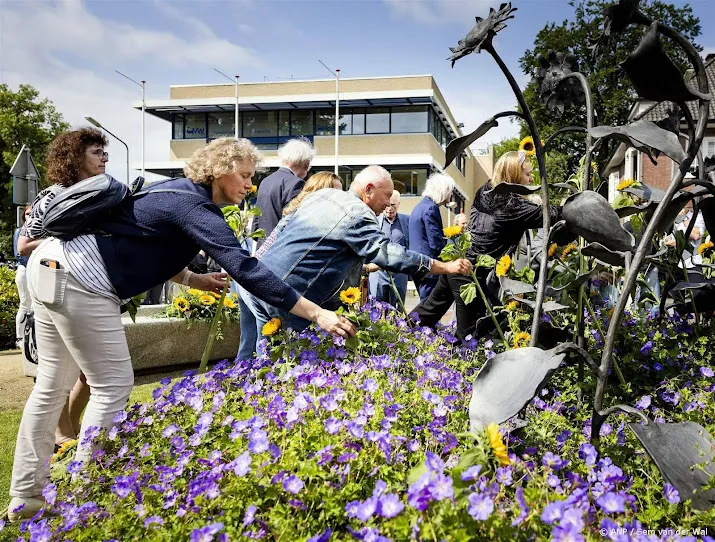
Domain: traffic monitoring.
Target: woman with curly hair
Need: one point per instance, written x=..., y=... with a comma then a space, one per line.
x=78, y=287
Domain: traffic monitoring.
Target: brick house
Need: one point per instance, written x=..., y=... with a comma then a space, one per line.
x=628, y=163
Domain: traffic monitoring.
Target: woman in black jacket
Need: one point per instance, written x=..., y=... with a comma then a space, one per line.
x=496, y=222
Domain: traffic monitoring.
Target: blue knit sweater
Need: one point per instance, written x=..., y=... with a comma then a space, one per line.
x=150, y=238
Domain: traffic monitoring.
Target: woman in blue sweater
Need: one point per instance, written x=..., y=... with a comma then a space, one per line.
x=78, y=286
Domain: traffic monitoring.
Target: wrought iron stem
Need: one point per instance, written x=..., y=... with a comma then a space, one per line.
x=528, y=117
x=630, y=280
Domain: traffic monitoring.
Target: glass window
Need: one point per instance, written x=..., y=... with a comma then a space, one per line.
x=178, y=127
x=710, y=149
x=377, y=120
x=260, y=124
x=284, y=123
x=195, y=126
x=358, y=121
x=409, y=182
x=346, y=122
x=301, y=123
x=324, y=122
x=221, y=125
x=407, y=120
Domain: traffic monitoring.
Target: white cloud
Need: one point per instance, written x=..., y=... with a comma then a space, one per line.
x=70, y=54
x=440, y=11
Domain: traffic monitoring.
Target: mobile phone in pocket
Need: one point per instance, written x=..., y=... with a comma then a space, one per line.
x=52, y=264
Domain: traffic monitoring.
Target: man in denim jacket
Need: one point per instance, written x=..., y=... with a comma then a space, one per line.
x=321, y=248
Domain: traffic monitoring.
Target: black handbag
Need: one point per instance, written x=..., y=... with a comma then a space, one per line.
x=71, y=212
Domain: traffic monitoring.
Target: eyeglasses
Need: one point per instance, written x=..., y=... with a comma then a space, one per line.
x=393, y=205
x=99, y=153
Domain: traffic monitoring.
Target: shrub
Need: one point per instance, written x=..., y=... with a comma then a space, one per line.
x=9, y=305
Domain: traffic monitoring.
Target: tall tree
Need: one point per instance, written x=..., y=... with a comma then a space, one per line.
x=613, y=95
x=25, y=119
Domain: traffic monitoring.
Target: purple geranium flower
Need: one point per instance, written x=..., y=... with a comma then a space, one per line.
x=390, y=505
x=646, y=348
x=612, y=503
x=480, y=506
x=706, y=372
x=152, y=520
x=206, y=534
x=671, y=494
x=293, y=484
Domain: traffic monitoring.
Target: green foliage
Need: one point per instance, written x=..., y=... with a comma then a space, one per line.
x=9, y=303
x=613, y=95
x=25, y=119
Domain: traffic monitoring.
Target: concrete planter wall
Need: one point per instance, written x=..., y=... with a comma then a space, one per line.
x=163, y=342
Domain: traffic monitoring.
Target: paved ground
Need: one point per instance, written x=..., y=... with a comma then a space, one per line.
x=412, y=301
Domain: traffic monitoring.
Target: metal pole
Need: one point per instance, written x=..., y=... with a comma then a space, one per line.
x=143, y=86
x=235, y=129
x=337, y=118
x=143, y=125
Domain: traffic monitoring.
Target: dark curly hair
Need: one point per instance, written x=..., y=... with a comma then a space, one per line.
x=66, y=154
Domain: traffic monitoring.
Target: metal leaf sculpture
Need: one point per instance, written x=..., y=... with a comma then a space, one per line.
x=575, y=283
x=459, y=145
x=629, y=210
x=616, y=18
x=603, y=254
x=671, y=121
x=654, y=75
x=707, y=209
x=589, y=215
x=684, y=454
x=676, y=205
x=513, y=188
x=548, y=306
x=483, y=32
x=515, y=287
x=567, y=186
x=556, y=89
x=645, y=136
x=645, y=192
x=509, y=380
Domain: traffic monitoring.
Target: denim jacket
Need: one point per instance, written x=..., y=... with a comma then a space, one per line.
x=320, y=248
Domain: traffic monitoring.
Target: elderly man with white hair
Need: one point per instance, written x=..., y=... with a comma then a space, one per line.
x=426, y=232
x=280, y=187
x=321, y=248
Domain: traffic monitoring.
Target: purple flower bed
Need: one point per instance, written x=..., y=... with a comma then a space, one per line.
x=328, y=444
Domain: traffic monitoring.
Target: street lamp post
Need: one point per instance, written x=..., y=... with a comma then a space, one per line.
x=235, y=127
x=143, y=86
x=98, y=125
x=336, y=73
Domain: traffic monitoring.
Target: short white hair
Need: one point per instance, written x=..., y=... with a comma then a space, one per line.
x=371, y=174
x=296, y=151
x=439, y=188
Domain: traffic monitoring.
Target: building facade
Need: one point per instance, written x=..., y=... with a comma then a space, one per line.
x=401, y=123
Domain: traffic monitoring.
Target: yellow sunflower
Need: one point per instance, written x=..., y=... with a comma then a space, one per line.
x=705, y=246
x=182, y=304
x=503, y=265
x=65, y=447
x=216, y=295
x=527, y=145
x=207, y=299
x=253, y=189
x=497, y=444
x=234, y=296
x=512, y=305
x=552, y=250
x=194, y=291
x=452, y=231
x=229, y=303
x=521, y=339
x=567, y=249
x=625, y=183
x=271, y=327
x=350, y=296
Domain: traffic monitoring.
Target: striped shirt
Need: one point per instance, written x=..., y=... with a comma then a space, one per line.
x=81, y=253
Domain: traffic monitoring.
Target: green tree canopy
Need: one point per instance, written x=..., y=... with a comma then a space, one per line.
x=25, y=119
x=613, y=95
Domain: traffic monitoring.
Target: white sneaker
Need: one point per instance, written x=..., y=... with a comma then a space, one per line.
x=21, y=508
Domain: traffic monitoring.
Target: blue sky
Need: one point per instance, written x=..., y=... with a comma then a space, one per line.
x=69, y=51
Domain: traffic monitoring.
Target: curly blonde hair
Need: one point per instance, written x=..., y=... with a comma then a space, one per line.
x=220, y=157
x=322, y=179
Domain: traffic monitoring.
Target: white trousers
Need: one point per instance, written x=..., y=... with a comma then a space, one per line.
x=80, y=331
x=25, y=301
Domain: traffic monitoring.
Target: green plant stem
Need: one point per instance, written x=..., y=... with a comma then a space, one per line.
x=214, y=327
x=491, y=312
x=616, y=367
x=692, y=296
x=399, y=297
